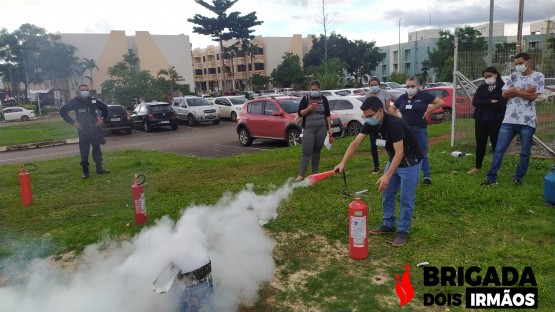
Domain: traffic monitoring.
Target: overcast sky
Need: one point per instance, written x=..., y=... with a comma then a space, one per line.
x=356, y=19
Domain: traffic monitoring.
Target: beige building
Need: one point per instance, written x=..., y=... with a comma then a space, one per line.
x=207, y=63
x=155, y=52
x=498, y=29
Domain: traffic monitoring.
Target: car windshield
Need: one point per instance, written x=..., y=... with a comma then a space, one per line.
x=116, y=109
x=342, y=93
x=198, y=102
x=394, y=85
x=238, y=100
x=290, y=106
x=160, y=108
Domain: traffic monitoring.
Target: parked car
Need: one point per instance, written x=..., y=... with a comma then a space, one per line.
x=195, y=109
x=436, y=116
x=18, y=113
x=436, y=84
x=118, y=119
x=348, y=109
x=230, y=106
x=390, y=85
x=249, y=95
x=328, y=93
x=274, y=118
x=154, y=115
x=464, y=105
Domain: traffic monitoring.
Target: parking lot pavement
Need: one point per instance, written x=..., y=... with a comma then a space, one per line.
x=201, y=141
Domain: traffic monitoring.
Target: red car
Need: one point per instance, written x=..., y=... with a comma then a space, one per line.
x=437, y=115
x=273, y=117
x=464, y=105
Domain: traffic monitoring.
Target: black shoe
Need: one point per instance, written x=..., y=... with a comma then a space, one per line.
x=400, y=239
x=85, y=175
x=517, y=181
x=102, y=171
x=488, y=183
x=382, y=229
x=427, y=181
x=376, y=170
x=85, y=171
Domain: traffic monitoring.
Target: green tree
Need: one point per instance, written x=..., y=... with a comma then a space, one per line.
x=470, y=40
x=399, y=78
x=224, y=26
x=289, y=71
x=337, y=47
x=335, y=65
x=172, y=74
x=362, y=58
x=329, y=80
x=259, y=81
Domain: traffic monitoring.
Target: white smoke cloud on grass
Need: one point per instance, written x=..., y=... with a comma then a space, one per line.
x=118, y=276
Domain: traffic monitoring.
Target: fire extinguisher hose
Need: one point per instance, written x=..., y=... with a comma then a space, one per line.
x=345, y=187
x=25, y=167
x=140, y=179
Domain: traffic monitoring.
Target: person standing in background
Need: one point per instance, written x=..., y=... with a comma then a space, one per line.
x=383, y=95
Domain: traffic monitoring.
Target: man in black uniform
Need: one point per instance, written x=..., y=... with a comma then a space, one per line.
x=401, y=172
x=88, y=125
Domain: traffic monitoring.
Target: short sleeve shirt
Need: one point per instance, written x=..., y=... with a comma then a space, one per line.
x=520, y=111
x=413, y=109
x=383, y=95
x=393, y=130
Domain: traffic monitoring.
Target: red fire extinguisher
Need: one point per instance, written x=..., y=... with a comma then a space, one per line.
x=25, y=184
x=139, y=199
x=358, y=228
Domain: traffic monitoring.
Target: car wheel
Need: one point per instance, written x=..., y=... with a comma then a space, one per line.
x=174, y=126
x=244, y=137
x=353, y=128
x=24, y=118
x=128, y=131
x=191, y=120
x=233, y=116
x=293, y=137
x=447, y=114
x=147, y=126
x=216, y=122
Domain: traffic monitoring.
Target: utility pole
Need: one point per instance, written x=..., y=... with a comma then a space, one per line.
x=490, y=35
x=399, y=50
x=519, y=47
x=454, y=100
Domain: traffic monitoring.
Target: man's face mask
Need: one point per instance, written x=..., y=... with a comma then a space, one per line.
x=84, y=93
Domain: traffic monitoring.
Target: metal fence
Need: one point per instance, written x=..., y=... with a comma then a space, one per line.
x=471, y=65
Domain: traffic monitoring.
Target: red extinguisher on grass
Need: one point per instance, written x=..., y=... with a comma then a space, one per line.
x=139, y=203
x=25, y=184
x=358, y=228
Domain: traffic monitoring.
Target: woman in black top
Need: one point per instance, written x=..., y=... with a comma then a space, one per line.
x=316, y=124
x=488, y=113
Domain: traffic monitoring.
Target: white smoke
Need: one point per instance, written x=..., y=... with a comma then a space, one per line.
x=118, y=276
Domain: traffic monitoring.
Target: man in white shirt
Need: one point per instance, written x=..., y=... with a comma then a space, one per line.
x=522, y=88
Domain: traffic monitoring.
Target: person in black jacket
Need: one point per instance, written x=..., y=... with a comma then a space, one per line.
x=315, y=112
x=489, y=111
x=88, y=125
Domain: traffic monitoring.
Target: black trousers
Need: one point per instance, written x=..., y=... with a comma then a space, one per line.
x=373, y=148
x=484, y=130
x=88, y=136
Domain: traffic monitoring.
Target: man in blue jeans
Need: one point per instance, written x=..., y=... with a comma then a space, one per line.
x=401, y=172
x=522, y=88
x=415, y=107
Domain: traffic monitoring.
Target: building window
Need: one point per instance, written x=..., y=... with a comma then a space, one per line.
x=198, y=71
x=383, y=56
x=241, y=68
x=384, y=78
x=395, y=55
x=410, y=38
x=218, y=56
x=258, y=66
x=250, y=67
x=219, y=70
x=533, y=45
x=384, y=67
x=395, y=67
x=259, y=51
x=407, y=54
x=212, y=71
x=205, y=71
x=197, y=60
x=204, y=58
x=407, y=66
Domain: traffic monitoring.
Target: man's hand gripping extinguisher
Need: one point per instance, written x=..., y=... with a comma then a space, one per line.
x=25, y=184
x=358, y=228
x=139, y=203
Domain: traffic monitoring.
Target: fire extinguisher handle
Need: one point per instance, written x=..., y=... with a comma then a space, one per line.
x=359, y=193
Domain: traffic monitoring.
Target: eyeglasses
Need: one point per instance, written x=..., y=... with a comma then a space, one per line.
x=367, y=117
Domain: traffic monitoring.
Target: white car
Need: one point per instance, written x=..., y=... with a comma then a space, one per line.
x=195, y=109
x=390, y=85
x=230, y=106
x=348, y=109
x=18, y=113
x=328, y=93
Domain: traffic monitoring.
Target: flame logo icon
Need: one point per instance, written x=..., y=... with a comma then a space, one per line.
x=404, y=288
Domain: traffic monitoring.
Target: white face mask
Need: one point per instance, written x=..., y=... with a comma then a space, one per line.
x=412, y=91
x=490, y=80
x=521, y=67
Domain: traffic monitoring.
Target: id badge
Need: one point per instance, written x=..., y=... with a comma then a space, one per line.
x=380, y=142
x=408, y=106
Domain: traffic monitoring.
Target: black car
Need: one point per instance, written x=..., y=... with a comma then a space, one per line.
x=118, y=119
x=154, y=115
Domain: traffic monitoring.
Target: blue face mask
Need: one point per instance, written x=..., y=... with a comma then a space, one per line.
x=315, y=93
x=373, y=121
x=374, y=89
x=84, y=94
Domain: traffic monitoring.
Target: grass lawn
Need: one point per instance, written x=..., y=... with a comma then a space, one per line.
x=456, y=222
x=32, y=132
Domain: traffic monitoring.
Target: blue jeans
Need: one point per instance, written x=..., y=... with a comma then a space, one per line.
x=506, y=135
x=405, y=179
x=421, y=135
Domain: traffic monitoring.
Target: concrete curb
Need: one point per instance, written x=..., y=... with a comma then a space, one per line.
x=18, y=147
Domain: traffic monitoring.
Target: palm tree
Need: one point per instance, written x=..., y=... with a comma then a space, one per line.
x=232, y=51
x=131, y=59
x=88, y=65
x=172, y=74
